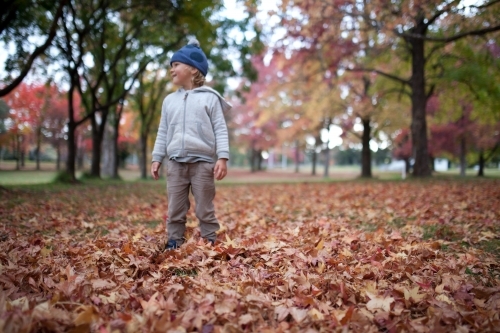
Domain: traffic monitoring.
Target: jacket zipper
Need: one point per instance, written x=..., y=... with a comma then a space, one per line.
x=184, y=124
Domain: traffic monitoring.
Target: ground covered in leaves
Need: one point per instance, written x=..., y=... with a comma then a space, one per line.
x=360, y=256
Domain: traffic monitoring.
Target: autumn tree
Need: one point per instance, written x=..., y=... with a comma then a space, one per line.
x=27, y=107
x=120, y=39
x=56, y=118
x=466, y=101
x=415, y=32
x=373, y=113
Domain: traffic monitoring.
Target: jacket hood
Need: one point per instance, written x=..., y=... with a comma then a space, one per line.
x=226, y=106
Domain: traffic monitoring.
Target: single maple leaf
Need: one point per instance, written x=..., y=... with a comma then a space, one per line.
x=298, y=314
x=316, y=315
x=229, y=242
x=100, y=284
x=379, y=303
x=413, y=295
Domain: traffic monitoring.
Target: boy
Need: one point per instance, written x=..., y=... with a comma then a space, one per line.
x=193, y=136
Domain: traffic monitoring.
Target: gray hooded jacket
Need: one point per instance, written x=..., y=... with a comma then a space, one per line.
x=192, y=125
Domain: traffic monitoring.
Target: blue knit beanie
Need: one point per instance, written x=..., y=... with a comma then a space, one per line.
x=192, y=55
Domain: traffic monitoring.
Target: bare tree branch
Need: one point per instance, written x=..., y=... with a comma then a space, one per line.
x=451, y=38
x=37, y=52
x=387, y=75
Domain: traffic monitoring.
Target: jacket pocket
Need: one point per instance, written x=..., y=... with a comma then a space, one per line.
x=203, y=136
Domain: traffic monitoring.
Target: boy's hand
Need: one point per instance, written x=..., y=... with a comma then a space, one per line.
x=220, y=170
x=155, y=167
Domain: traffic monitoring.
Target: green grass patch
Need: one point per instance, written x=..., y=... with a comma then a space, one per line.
x=491, y=246
x=368, y=227
x=148, y=224
x=468, y=271
x=438, y=232
x=184, y=272
x=397, y=222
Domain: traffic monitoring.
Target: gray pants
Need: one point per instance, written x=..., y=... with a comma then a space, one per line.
x=199, y=177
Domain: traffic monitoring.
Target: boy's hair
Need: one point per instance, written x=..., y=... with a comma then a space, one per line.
x=198, y=79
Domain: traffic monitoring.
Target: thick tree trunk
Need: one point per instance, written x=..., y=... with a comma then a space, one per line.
x=421, y=167
x=143, y=162
x=482, y=161
x=97, y=138
x=107, y=153
x=70, y=162
x=116, y=157
x=71, y=158
x=80, y=153
x=366, y=156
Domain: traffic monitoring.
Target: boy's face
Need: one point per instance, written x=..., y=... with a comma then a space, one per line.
x=182, y=75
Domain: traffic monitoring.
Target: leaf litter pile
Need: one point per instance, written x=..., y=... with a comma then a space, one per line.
x=355, y=256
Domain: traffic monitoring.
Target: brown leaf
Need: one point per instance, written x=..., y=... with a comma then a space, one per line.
x=101, y=284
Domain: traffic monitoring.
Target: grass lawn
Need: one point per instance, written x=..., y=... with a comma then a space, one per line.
x=30, y=176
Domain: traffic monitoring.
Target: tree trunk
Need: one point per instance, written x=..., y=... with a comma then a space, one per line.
x=107, y=153
x=143, y=162
x=253, y=158
x=327, y=161
x=80, y=153
x=259, y=160
x=366, y=156
x=297, y=156
x=58, y=156
x=407, y=165
x=482, y=161
x=116, y=158
x=22, y=153
x=70, y=162
x=419, y=100
x=463, y=153
x=314, y=161
x=97, y=138
x=116, y=161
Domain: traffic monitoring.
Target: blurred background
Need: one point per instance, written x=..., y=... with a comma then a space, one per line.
x=320, y=88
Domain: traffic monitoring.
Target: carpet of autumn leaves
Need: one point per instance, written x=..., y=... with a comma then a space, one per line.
x=416, y=256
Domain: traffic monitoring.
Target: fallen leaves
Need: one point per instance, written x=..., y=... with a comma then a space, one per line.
x=379, y=303
x=312, y=257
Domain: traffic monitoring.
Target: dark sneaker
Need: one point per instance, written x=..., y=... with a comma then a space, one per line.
x=171, y=245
